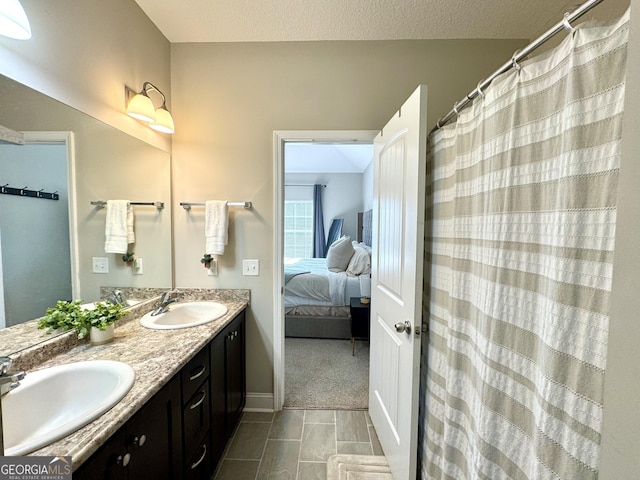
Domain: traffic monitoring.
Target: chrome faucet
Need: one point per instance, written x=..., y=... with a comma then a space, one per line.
x=8, y=381
x=166, y=299
x=116, y=297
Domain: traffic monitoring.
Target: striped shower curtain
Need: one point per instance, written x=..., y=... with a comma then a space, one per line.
x=521, y=213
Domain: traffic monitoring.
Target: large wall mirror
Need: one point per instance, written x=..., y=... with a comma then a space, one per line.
x=39, y=263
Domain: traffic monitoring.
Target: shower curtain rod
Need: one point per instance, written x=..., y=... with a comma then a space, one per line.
x=564, y=24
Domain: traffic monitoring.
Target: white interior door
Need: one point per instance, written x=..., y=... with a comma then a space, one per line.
x=396, y=303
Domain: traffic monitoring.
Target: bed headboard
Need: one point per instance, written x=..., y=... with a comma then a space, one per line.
x=365, y=231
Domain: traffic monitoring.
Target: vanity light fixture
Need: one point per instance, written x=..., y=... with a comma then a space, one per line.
x=13, y=20
x=140, y=107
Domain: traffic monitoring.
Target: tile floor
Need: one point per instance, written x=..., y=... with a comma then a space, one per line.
x=295, y=444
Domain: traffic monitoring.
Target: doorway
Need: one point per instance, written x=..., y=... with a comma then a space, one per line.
x=38, y=234
x=296, y=153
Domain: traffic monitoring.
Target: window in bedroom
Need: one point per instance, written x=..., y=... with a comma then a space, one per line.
x=298, y=228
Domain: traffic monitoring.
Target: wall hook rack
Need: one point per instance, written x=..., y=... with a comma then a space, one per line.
x=25, y=192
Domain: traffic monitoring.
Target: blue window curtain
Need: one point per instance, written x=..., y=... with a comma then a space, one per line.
x=319, y=250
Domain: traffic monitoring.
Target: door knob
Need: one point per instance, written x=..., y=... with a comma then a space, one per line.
x=403, y=327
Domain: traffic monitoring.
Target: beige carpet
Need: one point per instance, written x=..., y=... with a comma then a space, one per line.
x=358, y=467
x=323, y=374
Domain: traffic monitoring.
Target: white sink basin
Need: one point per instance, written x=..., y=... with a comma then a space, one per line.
x=183, y=315
x=50, y=404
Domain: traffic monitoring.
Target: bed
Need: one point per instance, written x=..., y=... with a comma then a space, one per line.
x=317, y=291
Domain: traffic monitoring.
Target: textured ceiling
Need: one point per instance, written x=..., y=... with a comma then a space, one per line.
x=305, y=20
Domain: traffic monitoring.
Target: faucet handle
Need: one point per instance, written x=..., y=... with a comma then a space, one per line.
x=5, y=365
x=168, y=295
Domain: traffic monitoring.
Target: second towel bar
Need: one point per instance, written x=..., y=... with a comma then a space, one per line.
x=188, y=205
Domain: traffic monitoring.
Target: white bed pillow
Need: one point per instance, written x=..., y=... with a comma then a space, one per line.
x=339, y=254
x=360, y=262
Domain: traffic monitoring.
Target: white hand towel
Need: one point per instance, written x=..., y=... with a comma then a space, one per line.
x=118, y=230
x=216, y=226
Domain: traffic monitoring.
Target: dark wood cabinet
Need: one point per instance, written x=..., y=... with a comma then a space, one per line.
x=196, y=413
x=228, y=385
x=181, y=433
x=148, y=446
x=236, y=373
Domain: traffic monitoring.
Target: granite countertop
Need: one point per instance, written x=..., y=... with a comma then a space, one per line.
x=155, y=356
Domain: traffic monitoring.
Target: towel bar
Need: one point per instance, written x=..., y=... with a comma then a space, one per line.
x=102, y=204
x=188, y=205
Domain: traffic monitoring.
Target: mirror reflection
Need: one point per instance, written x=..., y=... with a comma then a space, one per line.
x=55, y=249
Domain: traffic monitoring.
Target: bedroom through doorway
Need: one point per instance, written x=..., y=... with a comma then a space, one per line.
x=327, y=191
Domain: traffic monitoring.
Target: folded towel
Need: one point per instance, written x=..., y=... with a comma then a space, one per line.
x=118, y=230
x=216, y=226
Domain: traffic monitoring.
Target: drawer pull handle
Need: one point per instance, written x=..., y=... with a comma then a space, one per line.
x=199, y=402
x=199, y=374
x=140, y=441
x=123, y=460
x=204, y=454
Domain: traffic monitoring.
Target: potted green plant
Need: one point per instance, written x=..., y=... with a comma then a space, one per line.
x=65, y=316
x=206, y=260
x=100, y=320
x=128, y=258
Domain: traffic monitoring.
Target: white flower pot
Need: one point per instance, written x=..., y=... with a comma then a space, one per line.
x=100, y=337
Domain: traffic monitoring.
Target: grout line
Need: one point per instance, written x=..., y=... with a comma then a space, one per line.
x=264, y=448
x=304, y=413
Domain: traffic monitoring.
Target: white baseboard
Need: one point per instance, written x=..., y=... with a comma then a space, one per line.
x=259, y=402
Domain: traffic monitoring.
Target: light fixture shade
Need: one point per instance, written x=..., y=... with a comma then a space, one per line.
x=13, y=20
x=163, y=122
x=141, y=107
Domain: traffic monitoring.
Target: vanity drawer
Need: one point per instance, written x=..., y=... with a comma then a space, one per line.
x=194, y=373
x=198, y=467
x=195, y=420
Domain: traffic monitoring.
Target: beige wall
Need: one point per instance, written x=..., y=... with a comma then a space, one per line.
x=621, y=429
x=83, y=52
x=228, y=100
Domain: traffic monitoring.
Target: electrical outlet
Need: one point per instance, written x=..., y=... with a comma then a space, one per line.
x=100, y=264
x=250, y=267
x=212, y=271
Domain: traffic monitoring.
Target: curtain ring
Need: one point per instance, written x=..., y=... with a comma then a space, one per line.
x=479, y=90
x=514, y=63
x=455, y=109
x=567, y=24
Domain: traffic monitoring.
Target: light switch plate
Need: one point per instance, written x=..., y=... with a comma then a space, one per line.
x=100, y=264
x=250, y=267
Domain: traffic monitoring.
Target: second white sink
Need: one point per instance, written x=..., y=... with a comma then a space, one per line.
x=183, y=315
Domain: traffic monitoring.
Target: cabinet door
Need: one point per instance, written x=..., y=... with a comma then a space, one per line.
x=109, y=462
x=154, y=436
x=235, y=372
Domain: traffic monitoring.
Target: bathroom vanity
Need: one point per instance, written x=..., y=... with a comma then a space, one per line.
x=186, y=400
x=182, y=431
